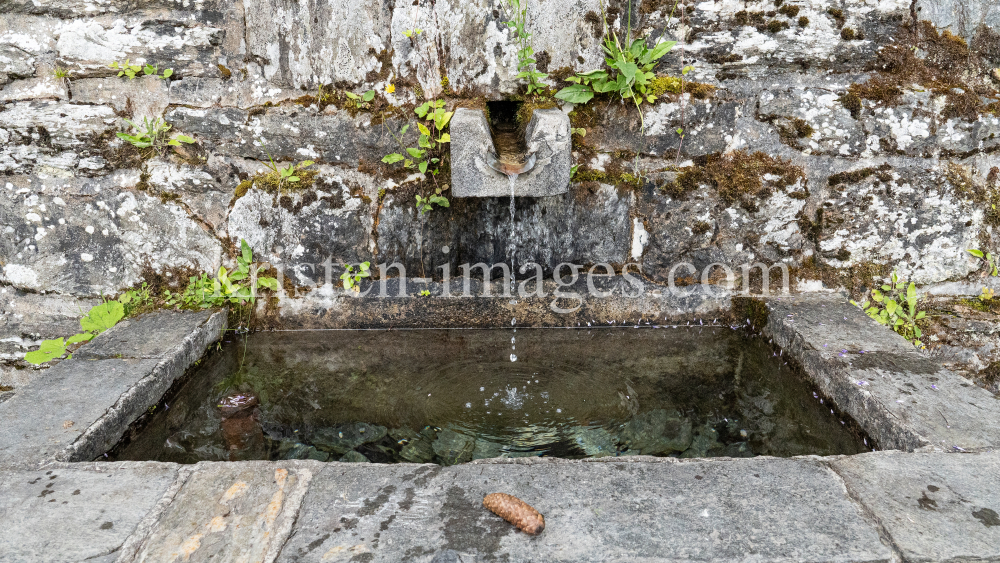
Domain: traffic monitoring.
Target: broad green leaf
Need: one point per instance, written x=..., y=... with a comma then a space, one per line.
x=975, y=252
x=82, y=337
x=368, y=96
x=424, y=141
x=184, y=139
x=422, y=109
x=102, y=317
x=293, y=178
x=422, y=167
x=49, y=350
x=576, y=94
x=661, y=48
x=423, y=129
x=911, y=291
x=920, y=315
x=392, y=158
x=168, y=73
x=442, y=121
x=890, y=306
x=268, y=283
x=415, y=153
x=404, y=129
x=446, y=138
x=352, y=96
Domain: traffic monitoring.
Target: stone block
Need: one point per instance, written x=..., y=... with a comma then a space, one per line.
x=548, y=138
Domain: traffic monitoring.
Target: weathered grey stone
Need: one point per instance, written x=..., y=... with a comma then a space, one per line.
x=236, y=511
x=353, y=457
x=47, y=87
x=453, y=448
x=87, y=237
x=343, y=438
x=302, y=451
x=657, y=432
x=15, y=62
x=595, y=442
x=548, y=139
x=28, y=318
x=68, y=125
x=594, y=511
x=78, y=512
x=198, y=92
x=151, y=336
x=834, y=131
x=961, y=17
x=290, y=133
x=143, y=97
x=934, y=507
x=418, y=450
x=46, y=418
x=586, y=226
x=902, y=398
x=82, y=407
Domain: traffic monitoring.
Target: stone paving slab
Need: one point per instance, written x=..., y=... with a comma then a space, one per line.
x=79, y=512
x=644, y=509
x=47, y=416
x=240, y=511
x=155, y=335
x=902, y=397
x=81, y=407
x=934, y=507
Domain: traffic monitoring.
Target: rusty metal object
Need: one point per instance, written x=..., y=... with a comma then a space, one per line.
x=515, y=511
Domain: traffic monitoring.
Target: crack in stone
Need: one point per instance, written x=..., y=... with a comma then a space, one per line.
x=868, y=514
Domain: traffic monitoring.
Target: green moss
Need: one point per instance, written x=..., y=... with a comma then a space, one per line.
x=774, y=26
x=738, y=177
x=789, y=10
x=847, y=34
x=986, y=196
x=855, y=176
x=852, y=103
x=752, y=310
x=700, y=228
x=838, y=16
x=803, y=22
x=225, y=72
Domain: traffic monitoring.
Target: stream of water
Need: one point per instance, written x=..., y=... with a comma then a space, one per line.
x=511, y=251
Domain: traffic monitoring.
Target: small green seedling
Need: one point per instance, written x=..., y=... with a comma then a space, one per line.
x=60, y=72
x=426, y=204
x=895, y=306
x=988, y=258
x=130, y=70
x=152, y=134
x=361, y=101
x=352, y=278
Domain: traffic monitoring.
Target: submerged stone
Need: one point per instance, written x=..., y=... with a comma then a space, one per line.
x=705, y=443
x=486, y=450
x=343, y=438
x=595, y=442
x=417, y=451
x=353, y=457
x=303, y=451
x=452, y=448
x=657, y=432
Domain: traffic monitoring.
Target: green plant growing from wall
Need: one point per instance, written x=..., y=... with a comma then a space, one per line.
x=130, y=70
x=352, y=278
x=361, y=101
x=279, y=176
x=525, y=52
x=153, y=134
x=238, y=287
x=60, y=73
x=988, y=259
x=895, y=306
x=426, y=204
x=630, y=70
x=430, y=144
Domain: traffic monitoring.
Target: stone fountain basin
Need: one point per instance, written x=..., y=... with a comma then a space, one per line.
x=932, y=496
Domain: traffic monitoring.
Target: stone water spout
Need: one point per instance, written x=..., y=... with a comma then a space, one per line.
x=478, y=170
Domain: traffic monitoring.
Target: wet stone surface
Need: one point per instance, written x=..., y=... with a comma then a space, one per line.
x=450, y=397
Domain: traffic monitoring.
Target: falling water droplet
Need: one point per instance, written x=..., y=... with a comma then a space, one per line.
x=513, y=357
x=513, y=322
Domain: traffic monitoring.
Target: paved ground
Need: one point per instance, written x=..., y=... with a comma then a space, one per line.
x=935, y=504
x=880, y=506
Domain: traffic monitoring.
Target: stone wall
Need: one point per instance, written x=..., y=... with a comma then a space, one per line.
x=877, y=124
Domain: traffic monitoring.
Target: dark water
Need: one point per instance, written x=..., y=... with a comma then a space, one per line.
x=449, y=396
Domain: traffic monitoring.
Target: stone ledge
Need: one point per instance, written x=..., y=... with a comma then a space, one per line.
x=82, y=406
x=903, y=398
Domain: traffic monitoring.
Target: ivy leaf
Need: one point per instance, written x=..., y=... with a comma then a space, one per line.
x=49, y=350
x=102, y=317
